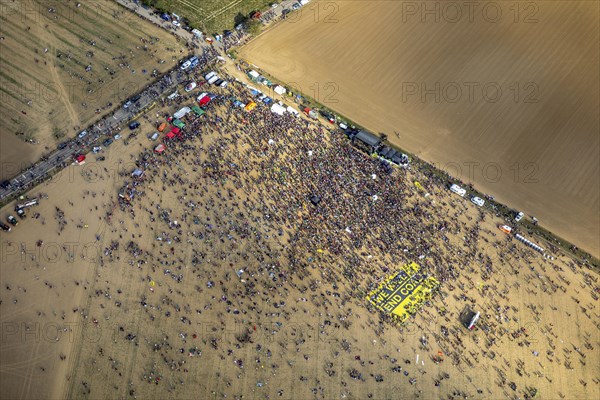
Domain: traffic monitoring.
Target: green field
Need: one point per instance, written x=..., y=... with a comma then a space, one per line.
x=211, y=16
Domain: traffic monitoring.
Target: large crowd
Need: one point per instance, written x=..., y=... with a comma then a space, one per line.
x=242, y=184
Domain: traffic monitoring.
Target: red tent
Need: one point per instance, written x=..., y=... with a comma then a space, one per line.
x=80, y=159
x=160, y=148
x=205, y=100
x=174, y=130
x=170, y=135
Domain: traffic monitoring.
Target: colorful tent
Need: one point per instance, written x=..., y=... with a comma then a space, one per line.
x=250, y=106
x=175, y=130
x=170, y=135
x=198, y=110
x=80, y=159
x=162, y=127
x=204, y=101
x=178, y=123
x=160, y=148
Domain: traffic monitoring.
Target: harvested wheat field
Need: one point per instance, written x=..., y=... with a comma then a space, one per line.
x=505, y=96
x=64, y=65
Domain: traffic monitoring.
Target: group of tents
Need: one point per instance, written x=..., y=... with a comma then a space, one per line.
x=177, y=124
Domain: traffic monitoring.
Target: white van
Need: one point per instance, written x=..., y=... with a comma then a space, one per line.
x=210, y=75
x=519, y=216
x=458, y=190
x=477, y=201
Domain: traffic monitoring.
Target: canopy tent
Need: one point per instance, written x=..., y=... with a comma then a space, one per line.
x=137, y=173
x=205, y=100
x=175, y=130
x=198, y=111
x=278, y=109
x=292, y=110
x=280, y=90
x=170, y=135
x=178, y=123
x=80, y=159
x=250, y=106
x=181, y=113
x=238, y=103
x=253, y=74
x=160, y=148
x=162, y=127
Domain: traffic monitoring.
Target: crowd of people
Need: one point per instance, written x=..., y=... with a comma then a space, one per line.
x=235, y=237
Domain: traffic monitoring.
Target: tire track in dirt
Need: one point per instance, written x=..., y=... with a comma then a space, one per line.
x=64, y=96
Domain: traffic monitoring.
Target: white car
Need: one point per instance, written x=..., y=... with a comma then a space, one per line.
x=96, y=149
x=176, y=23
x=519, y=216
x=82, y=134
x=477, y=201
x=186, y=65
x=274, y=5
x=117, y=137
x=190, y=86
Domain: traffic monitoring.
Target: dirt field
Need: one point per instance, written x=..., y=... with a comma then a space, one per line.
x=48, y=92
x=144, y=301
x=506, y=98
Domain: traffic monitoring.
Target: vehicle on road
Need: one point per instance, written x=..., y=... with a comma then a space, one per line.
x=63, y=145
x=117, y=137
x=101, y=158
x=82, y=134
x=12, y=220
x=190, y=86
x=519, y=217
x=133, y=125
x=127, y=104
x=186, y=65
x=107, y=142
x=4, y=227
x=477, y=201
x=274, y=5
x=96, y=149
x=176, y=23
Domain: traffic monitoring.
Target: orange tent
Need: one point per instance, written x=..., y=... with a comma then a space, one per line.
x=162, y=127
x=250, y=106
